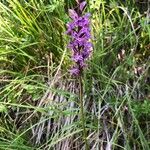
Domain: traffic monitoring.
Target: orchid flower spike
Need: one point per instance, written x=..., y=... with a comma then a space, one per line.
x=80, y=34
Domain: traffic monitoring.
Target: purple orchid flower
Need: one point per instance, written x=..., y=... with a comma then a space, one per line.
x=79, y=31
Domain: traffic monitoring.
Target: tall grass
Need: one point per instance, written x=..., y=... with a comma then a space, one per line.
x=39, y=105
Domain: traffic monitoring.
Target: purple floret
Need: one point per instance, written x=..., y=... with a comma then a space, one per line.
x=77, y=58
x=75, y=71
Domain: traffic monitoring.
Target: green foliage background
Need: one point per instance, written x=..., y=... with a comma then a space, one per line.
x=39, y=106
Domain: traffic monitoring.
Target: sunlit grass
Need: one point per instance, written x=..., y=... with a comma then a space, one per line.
x=39, y=106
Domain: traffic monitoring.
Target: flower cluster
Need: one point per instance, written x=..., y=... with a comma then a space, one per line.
x=79, y=31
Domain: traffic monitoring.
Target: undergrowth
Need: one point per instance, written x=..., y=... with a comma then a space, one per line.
x=39, y=104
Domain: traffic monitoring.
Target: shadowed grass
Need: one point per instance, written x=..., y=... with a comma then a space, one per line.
x=39, y=105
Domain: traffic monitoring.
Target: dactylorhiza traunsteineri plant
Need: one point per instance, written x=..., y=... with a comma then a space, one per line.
x=80, y=45
x=79, y=31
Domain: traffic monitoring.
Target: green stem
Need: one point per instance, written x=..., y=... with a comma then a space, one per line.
x=82, y=113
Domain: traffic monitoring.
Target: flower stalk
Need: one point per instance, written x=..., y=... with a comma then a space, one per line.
x=82, y=113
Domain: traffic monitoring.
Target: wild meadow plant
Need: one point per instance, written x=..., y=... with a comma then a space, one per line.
x=80, y=45
x=38, y=102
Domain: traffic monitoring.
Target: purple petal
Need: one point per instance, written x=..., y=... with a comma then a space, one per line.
x=82, y=5
x=83, y=21
x=82, y=65
x=75, y=71
x=77, y=58
x=85, y=33
x=73, y=45
x=86, y=53
x=87, y=15
x=88, y=45
x=73, y=14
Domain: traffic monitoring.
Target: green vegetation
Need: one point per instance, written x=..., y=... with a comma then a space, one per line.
x=39, y=103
